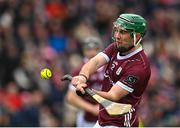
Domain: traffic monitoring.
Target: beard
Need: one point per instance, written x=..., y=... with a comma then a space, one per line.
x=123, y=50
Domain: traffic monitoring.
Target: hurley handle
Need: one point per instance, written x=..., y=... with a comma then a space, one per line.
x=87, y=90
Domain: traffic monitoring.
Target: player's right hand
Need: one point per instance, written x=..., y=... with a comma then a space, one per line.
x=79, y=82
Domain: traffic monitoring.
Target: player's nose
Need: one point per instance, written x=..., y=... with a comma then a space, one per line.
x=117, y=35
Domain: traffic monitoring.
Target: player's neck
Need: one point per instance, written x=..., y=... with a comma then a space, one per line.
x=132, y=50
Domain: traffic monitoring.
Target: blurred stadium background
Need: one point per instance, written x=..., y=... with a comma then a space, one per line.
x=49, y=33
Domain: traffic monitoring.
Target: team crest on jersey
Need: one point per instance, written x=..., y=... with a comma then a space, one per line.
x=131, y=79
x=119, y=70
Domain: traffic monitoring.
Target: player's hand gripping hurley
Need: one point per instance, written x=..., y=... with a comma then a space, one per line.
x=112, y=108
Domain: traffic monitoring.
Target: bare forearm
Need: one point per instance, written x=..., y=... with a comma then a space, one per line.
x=114, y=94
x=105, y=95
x=89, y=68
x=78, y=102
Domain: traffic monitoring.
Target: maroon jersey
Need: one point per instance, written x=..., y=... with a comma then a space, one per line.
x=95, y=82
x=131, y=72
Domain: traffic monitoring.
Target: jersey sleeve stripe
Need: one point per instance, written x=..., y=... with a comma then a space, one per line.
x=124, y=86
x=104, y=55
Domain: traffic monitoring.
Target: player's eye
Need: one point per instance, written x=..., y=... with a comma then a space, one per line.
x=120, y=31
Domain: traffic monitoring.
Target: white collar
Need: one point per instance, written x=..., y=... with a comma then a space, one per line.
x=130, y=54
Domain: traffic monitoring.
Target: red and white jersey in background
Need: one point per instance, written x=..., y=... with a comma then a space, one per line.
x=94, y=82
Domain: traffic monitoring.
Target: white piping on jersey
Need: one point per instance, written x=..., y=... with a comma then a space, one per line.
x=125, y=121
x=124, y=86
x=142, y=59
x=118, y=83
x=130, y=54
x=122, y=57
x=105, y=56
x=128, y=117
x=134, y=120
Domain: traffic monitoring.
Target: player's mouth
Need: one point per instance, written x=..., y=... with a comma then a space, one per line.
x=118, y=43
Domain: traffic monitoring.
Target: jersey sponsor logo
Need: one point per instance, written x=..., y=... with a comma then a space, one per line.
x=131, y=79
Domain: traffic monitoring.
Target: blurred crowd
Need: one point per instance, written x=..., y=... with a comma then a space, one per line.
x=35, y=34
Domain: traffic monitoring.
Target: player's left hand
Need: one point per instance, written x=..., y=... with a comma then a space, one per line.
x=79, y=82
x=81, y=87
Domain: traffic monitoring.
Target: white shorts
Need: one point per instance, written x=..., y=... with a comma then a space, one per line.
x=98, y=126
x=81, y=122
